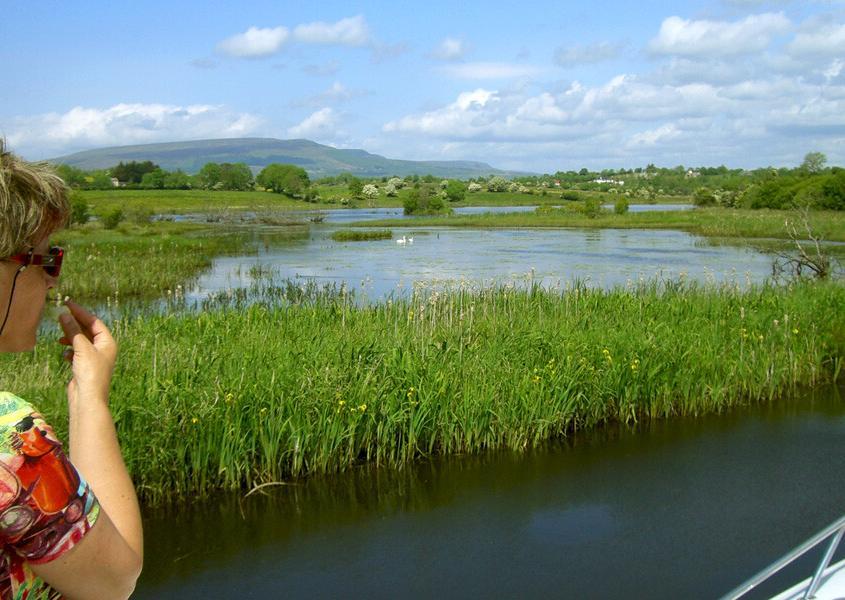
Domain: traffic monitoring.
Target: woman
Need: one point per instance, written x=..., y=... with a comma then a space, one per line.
x=69, y=523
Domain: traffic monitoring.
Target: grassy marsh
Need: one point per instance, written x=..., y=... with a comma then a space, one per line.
x=718, y=222
x=145, y=261
x=303, y=382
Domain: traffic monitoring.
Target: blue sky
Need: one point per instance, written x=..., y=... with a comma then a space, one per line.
x=537, y=86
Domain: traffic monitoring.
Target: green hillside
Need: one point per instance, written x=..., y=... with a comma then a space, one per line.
x=317, y=159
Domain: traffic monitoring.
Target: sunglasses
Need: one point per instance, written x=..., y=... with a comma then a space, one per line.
x=51, y=263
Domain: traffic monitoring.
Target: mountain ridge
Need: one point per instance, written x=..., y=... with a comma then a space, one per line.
x=317, y=159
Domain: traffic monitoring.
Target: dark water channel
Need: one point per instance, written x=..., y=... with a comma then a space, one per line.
x=680, y=509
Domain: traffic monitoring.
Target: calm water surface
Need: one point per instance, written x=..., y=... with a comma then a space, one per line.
x=600, y=257
x=681, y=509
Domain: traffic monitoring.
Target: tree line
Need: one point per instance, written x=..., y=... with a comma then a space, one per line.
x=281, y=178
x=812, y=183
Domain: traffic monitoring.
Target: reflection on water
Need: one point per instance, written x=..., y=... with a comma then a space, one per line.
x=679, y=509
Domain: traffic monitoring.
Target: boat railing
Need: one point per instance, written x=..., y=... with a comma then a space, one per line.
x=835, y=529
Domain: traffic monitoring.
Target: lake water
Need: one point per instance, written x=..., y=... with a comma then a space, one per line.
x=443, y=255
x=678, y=509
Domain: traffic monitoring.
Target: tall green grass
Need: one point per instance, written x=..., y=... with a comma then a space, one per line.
x=242, y=393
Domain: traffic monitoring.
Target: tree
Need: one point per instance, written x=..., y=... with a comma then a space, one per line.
x=153, y=180
x=177, y=180
x=132, y=172
x=455, y=190
x=225, y=176
x=235, y=176
x=284, y=179
x=390, y=189
x=474, y=187
x=814, y=162
x=209, y=175
x=71, y=175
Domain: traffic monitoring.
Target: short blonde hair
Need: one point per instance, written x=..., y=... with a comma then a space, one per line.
x=33, y=202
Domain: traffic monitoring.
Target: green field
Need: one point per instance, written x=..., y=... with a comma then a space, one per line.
x=241, y=394
x=222, y=202
x=716, y=222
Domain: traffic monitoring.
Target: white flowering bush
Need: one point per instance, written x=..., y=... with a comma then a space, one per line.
x=497, y=183
x=370, y=192
x=474, y=187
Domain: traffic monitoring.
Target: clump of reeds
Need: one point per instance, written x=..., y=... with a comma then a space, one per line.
x=353, y=235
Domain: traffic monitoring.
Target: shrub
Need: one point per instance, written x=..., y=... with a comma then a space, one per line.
x=370, y=192
x=474, y=187
x=592, y=207
x=140, y=216
x=79, y=213
x=497, y=184
x=620, y=207
x=112, y=219
x=703, y=197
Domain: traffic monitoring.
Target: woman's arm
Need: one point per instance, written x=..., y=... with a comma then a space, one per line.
x=117, y=546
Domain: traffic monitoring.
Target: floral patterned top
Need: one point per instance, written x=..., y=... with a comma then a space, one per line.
x=45, y=505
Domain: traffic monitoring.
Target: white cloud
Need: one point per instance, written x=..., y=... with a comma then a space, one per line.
x=450, y=49
x=631, y=119
x=122, y=124
x=586, y=54
x=255, y=42
x=489, y=70
x=653, y=137
x=352, y=31
x=826, y=39
x=703, y=38
x=321, y=124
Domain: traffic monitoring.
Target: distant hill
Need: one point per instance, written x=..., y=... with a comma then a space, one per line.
x=318, y=160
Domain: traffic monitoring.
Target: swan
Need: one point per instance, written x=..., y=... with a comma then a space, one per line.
x=410, y=240
x=402, y=241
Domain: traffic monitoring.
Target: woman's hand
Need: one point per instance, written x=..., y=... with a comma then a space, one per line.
x=93, y=354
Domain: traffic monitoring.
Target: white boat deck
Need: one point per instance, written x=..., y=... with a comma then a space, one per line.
x=832, y=586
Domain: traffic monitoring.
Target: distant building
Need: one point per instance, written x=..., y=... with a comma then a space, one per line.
x=610, y=181
x=691, y=173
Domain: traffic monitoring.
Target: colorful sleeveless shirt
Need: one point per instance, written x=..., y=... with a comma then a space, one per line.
x=45, y=505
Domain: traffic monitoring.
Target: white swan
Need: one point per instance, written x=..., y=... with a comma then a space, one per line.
x=410, y=240
x=402, y=241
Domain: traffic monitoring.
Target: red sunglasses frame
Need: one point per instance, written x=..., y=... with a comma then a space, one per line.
x=51, y=263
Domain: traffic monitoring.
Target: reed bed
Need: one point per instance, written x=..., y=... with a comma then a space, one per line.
x=255, y=388
x=351, y=235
